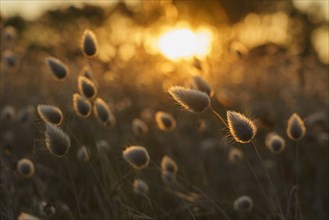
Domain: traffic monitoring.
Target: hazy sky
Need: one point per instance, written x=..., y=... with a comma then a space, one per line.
x=31, y=9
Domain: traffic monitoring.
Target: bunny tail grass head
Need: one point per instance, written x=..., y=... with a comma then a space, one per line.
x=57, y=142
x=275, y=143
x=296, y=128
x=235, y=155
x=103, y=113
x=243, y=203
x=140, y=187
x=87, y=87
x=89, y=44
x=241, y=128
x=169, y=169
x=57, y=67
x=201, y=85
x=50, y=114
x=191, y=99
x=81, y=105
x=139, y=127
x=83, y=154
x=136, y=156
x=25, y=168
x=87, y=72
x=165, y=121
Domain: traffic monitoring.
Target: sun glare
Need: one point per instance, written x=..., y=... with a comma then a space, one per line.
x=184, y=44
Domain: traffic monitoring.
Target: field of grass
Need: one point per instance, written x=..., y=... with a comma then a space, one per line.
x=93, y=127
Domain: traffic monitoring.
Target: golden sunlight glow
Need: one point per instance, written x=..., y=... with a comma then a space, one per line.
x=184, y=44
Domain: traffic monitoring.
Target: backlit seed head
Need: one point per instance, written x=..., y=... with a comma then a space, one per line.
x=168, y=165
x=103, y=146
x=26, y=114
x=140, y=187
x=25, y=168
x=57, y=142
x=168, y=169
x=190, y=99
x=201, y=85
x=275, y=143
x=8, y=113
x=136, y=156
x=46, y=209
x=87, y=87
x=8, y=33
x=243, y=203
x=296, y=128
x=57, y=67
x=165, y=121
x=241, y=128
x=139, y=127
x=89, y=43
x=103, y=113
x=9, y=58
x=26, y=216
x=87, y=72
x=83, y=154
x=50, y=114
x=81, y=105
x=235, y=155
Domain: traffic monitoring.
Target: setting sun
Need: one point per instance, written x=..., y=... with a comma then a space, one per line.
x=184, y=44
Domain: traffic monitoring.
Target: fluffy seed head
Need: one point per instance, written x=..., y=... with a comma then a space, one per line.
x=81, y=105
x=8, y=113
x=139, y=127
x=140, y=187
x=83, y=154
x=9, y=58
x=26, y=216
x=87, y=72
x=25, y=168
x=57, y=67
x=57, y=142
x=50, y=114
x=87, y=87
x=296, y=128
x=243, y=203
x=190, y=99
x=241, y=128
x=26, y=114
x=169, y=169
x=275, y=143
x=235, y=155
x=136, y=156
x=89, y=43
x=201, y=85
x=165, y=121
x=103, y=146
x=103, y=113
